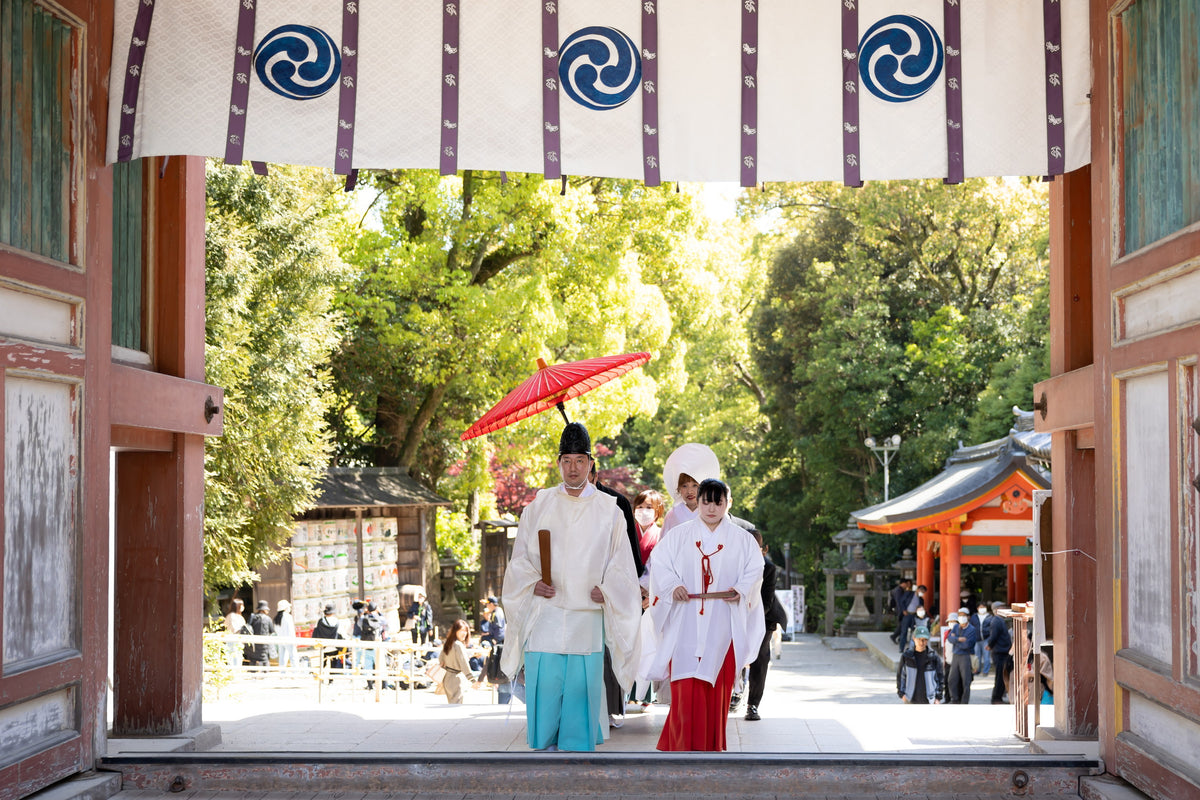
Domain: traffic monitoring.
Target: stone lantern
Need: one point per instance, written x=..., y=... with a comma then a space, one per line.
x=906, y=565
x=451, y=608
x=859, y=618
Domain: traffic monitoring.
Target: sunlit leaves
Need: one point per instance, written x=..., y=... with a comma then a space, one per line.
x=271, y=267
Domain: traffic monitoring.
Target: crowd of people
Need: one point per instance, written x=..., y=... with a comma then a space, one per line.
x=974, y=644
x=613, y=604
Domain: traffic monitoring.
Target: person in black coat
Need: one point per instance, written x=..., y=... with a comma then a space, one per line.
x=631, y=527
x=901, y=596
x=613, y=695
x=328, y=627
x=259, y=655
x=775, y=615
x=999, y=644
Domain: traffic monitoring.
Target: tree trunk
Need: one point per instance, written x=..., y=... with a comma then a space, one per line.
x=411, y=443
x=389, y=423
x=473, y=508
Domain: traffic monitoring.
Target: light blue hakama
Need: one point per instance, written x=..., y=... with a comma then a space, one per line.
x=564, y=697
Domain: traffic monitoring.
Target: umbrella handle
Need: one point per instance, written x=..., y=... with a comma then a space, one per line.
x=562, y=410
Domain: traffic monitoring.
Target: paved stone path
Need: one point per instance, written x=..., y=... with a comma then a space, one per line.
x=818, y=700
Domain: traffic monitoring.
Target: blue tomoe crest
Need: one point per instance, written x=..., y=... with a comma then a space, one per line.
x=599, y=68
x=900, y=58
x=298, y=61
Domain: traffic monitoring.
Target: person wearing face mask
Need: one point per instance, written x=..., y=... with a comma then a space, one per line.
x=909, y=619
x=558, y=629
x=914, y=617
x=999, y=645
x=647, y=513
x=981, y=621
x=961, y=641
x=898, y=602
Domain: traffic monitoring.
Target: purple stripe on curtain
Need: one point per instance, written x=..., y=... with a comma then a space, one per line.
x=1056, y=134
x=239, y=95
x=850, y=144
x=552, y=166
x=650, y=166
x=138, y=41
x=344, y=158
x=952, y=19
x=749, y=93
x=449, y=154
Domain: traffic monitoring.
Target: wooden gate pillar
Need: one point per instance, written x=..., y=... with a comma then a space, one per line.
x=925, y=567
x=160, y=417
x=157, y=672
x=951, y=553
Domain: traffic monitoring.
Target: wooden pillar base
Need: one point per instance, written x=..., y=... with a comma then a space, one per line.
x=158, y=621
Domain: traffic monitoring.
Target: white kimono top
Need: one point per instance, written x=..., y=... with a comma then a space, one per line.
x=678, y=515
x=589, y=546
x=678, y=640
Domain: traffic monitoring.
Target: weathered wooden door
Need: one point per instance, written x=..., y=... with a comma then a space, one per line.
x=1146, y=245
x=54, y=343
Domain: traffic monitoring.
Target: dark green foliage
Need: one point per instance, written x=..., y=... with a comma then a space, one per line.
x=904, y=308
x=271, y=271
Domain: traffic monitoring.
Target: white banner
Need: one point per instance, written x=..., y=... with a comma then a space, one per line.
x=720, y=90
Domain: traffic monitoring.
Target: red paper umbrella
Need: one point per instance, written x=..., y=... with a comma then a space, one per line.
x=550, y=386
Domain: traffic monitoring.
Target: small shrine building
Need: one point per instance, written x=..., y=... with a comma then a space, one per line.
x=978, y=510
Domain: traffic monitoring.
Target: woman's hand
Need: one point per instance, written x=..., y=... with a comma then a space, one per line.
x=597, y=595
x=679, y=594
x=544, y=590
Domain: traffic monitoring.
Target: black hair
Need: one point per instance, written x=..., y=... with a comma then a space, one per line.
x=712, y=491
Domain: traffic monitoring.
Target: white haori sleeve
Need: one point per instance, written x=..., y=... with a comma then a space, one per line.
x=522, y=572
x=622, y=602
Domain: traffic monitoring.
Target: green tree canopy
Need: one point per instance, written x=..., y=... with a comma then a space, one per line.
x=272, y=265
x=891, y=309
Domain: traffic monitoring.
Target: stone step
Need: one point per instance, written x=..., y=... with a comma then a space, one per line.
x=88, y=786
x=500, y=776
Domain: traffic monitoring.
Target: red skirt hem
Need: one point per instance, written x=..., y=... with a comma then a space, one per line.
x=699, y=712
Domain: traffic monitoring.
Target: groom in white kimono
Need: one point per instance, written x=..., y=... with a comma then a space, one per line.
x=558, y=630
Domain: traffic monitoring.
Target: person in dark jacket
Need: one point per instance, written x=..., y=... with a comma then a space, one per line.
x=258, y=655
x=613, y=695
x=999, y=644
x=328, y=627
x=961, y=641
x=775, y=615
x=370, y=626
x=919, y=677
x=899, y=600
x=981, y=621
x=421, y=614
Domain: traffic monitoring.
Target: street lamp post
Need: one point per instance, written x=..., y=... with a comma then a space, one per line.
x=787, y=564
x=884, y=451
